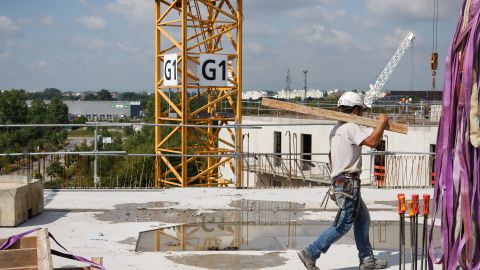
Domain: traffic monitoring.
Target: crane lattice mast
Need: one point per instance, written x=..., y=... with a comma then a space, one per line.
x=376, y=88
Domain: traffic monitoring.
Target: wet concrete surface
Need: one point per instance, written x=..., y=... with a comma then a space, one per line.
x=273, y=235
x=230, y=261
x=165, y=213
x=249, y=225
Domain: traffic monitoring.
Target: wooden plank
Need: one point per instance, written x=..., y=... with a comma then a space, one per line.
x=24, y=242
x=22, y=268
x=18, y=258
x=333, y=115
x=44, y=257
x=98, y=260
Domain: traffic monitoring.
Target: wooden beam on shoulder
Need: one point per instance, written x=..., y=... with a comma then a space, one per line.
x=333, y=115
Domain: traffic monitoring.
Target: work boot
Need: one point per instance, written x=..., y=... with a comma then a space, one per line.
x=372, y=263
x=307, y=261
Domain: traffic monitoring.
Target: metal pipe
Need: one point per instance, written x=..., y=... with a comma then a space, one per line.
x=96, y=179
x=295, y=151
x=289, y=156
x=117, y=153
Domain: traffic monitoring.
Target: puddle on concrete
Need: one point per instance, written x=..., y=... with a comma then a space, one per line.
x=163, y=212
x=246, y=235
x=145, y=212
x=230, y=261
x=251, y=225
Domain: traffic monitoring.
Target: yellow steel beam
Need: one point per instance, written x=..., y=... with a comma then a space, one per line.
x=204, y=172
x=215, y=137
x=201, y=26
x=168, y=136
x=216, y=101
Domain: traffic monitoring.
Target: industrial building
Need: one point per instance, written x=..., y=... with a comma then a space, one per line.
x=104, y=110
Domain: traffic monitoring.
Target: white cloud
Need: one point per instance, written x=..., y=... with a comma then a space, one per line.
x=255, y=28
x=127, y=48
x=393, y=40
x=412, y=9
x=92, y=22
x=4, y=54
x=319, y=34
x=7, y=25
x=317, y=12
x=254, y=47
x=39, y=64
x=47, y=20
x=24, y=21
x=94, y=43
x=136, y=10
x=97, y=43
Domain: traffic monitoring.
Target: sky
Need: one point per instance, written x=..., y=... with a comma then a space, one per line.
x=88, y=45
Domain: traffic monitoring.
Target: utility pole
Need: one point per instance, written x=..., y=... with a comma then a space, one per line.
x=305, y=86
x=288, y=82
x=96, y=179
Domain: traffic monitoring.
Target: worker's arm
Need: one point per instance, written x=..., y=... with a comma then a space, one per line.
x=374, y=139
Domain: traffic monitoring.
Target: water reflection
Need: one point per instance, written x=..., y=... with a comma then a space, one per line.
x=257, y=225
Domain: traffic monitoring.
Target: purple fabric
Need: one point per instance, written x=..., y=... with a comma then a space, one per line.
x=71, y=256
x=457, y=161
x=15, y=238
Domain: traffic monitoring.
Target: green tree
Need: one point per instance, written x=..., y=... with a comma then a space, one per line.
x=104, y=95
x=90, y=96
x=55, y=169
x=57, y=112
x=49, y=93
x=37, y=112
x=13, y=107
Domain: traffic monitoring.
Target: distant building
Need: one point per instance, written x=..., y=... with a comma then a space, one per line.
x=312, y=93
x=254, y=95
x=424, y=95
x=104, y=110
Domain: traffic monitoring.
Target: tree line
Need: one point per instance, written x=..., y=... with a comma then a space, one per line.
x=101, y=95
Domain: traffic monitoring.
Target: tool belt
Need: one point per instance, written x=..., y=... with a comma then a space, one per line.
x=346, y=187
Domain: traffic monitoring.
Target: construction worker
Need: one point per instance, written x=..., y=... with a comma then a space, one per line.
x=346, y=140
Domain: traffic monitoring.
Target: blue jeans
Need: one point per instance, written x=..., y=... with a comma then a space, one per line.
x=360, y=222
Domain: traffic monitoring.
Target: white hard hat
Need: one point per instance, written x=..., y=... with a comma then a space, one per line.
x=351, y=99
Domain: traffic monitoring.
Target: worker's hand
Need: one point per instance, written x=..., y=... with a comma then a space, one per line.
x=383, y=118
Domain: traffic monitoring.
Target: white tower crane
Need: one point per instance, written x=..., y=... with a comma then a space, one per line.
x=375, y=89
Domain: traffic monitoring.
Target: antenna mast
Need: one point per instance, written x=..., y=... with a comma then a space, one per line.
x=288, y=82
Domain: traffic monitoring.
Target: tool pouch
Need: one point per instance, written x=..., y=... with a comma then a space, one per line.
x=346, y=187
x=342, y=188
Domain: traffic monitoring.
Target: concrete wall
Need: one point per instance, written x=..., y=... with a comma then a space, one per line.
x=20, y=199
x=419, y=139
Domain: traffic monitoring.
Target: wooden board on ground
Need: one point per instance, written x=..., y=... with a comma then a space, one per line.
x=33, y=253
x=333, y=115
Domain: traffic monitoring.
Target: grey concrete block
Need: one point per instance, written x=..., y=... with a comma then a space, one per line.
x=21, y=198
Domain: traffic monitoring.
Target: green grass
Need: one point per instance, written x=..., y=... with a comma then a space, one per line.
x=81, y=132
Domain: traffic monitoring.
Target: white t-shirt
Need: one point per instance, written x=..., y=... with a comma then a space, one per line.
x=345, y=148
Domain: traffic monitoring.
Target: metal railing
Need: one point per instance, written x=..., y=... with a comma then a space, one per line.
x=291, y=169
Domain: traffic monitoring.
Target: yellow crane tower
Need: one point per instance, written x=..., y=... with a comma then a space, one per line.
x=198, y=89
